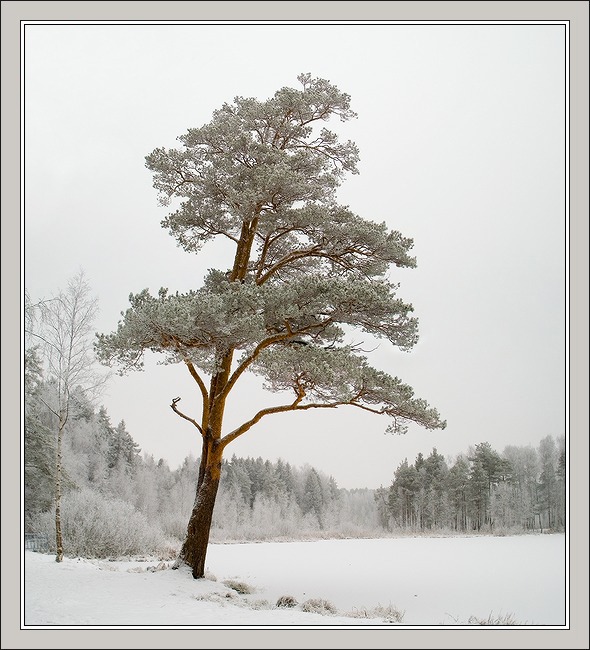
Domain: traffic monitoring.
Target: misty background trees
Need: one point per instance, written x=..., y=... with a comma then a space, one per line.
x=60, y=330
x=119, y=501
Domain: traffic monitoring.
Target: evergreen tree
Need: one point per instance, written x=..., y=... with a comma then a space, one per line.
x=285, y=478
x=238, y=479
x=402, y=495
x=525, y=469
x=85, y=449
x=561, y=475
x=479, y=494
x=434, y=482
x=548, y=495
x=458, y=491
x=39, y=443
x=313, y=496
x=305, y=270
x=495, y=467
x=123, y=451
x=488, y=470
x=384, y=507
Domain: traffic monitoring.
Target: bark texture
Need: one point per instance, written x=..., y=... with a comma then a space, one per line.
x=194, y=548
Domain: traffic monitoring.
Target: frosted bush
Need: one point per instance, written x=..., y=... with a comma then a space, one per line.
x=216, y=597
x=240, y=587
x=286, y=601
x=500, y=619
x=259, y=604
x=390, y=613
x=318, y=606
x=97, y=526
x=492, y=619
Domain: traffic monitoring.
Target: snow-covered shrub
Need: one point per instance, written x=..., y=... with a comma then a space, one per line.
x=259, y=604
x=389, y=613
x=240, y=587
x=286, y=601
x=216, y=597
x=97, y=526
x=499, y=619
x=318, y=606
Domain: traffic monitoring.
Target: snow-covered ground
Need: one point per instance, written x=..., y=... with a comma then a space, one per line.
x=431, y=581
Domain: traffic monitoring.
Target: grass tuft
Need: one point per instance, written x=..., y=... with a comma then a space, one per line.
x=240, y=587
x=389, y=614
x=318, y=606
x=500, y=619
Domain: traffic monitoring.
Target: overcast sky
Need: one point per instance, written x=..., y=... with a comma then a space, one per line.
x=461, y=131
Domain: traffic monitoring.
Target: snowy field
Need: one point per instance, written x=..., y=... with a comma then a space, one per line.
x=431, y=581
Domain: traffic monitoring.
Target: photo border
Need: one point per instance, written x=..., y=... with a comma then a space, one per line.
x=577, y=14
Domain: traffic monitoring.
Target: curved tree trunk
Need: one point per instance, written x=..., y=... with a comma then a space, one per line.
x=194, y=548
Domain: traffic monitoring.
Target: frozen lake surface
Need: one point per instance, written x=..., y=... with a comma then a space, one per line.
x=434, y=581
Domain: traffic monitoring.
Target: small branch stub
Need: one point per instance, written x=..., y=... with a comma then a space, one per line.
x=183, y=416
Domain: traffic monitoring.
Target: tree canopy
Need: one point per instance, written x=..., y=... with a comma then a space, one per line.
x=307, y=271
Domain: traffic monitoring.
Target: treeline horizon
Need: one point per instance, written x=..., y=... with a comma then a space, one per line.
x=118, y=501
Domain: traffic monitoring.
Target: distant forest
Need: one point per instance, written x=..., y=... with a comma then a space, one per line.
x=118, y=501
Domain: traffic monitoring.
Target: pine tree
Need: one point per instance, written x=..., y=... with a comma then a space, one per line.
x=479, y=493
x=262, y=176
x=313, y=497
x=458, y=490
x=548, y=485
x=561, y=475
x=525, y=470
x=123, y=450
x=435, y=474
x=403, y=495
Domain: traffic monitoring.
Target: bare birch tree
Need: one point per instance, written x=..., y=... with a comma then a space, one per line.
x=63, y=329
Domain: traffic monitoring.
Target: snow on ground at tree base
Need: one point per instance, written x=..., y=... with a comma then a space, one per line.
x=80, y=592
x=433, y=581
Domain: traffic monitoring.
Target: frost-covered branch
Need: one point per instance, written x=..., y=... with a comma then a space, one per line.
x=246, y=426
x=337, y=377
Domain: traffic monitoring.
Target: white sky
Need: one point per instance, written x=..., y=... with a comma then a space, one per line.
x=461, y=131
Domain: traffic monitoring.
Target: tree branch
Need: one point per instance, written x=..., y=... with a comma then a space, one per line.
x=247, y=362
x=262, y=413
x=315, y=251
x=49, y=407
x=195, y=375
x=268, y=242
x=250, y=359
x=183, y=416
x=332, y=405
x=294, y=406
x=49, y=343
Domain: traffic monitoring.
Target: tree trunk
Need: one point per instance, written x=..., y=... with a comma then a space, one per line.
x=194, y=548
x=59, y=550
